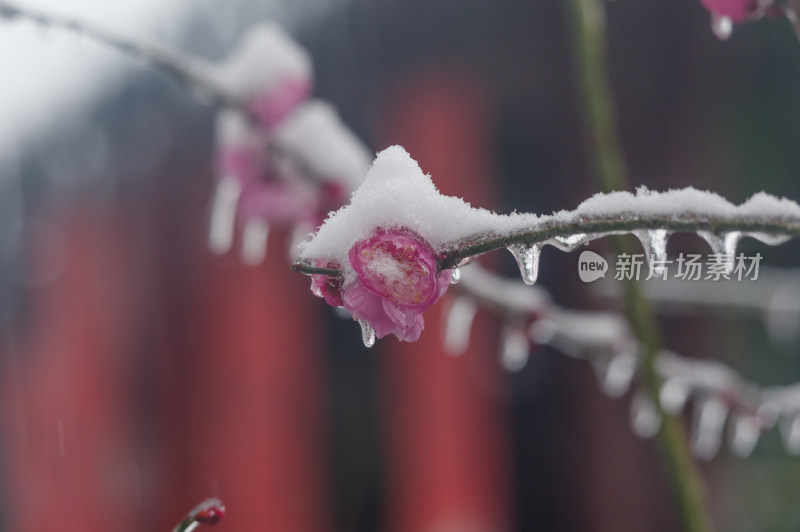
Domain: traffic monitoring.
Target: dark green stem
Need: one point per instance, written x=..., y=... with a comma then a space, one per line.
x=587, y=25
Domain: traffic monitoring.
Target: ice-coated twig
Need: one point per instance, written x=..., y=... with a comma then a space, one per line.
x=208, y=512
x=193, y=74
x=764, y=217
x=605, y=340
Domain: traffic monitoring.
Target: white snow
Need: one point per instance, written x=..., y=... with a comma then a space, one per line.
x=314, y=133
x=396, y=193
x=234, y=130
x=266, y=57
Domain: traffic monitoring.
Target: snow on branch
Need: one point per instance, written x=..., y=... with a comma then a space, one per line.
x=186, y=71
x=398, y=198
x=262, y=79
x=396, y=193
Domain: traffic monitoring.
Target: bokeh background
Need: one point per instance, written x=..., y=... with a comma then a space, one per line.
x=139, y=373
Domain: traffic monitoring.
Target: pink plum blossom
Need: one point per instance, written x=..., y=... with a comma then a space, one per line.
x=273, y=105
x=396, y=282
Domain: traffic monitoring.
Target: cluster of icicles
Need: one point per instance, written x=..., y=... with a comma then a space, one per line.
x=604, y=339
x=654, y=242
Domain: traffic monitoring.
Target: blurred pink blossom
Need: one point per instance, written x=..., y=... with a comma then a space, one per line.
x=736, y=10
x=272, y=106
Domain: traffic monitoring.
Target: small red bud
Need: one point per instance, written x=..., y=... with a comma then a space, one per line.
x=209, y=512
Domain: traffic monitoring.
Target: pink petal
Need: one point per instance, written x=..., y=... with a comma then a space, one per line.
x=397, y=264
x=327, y=286
x=273, y=106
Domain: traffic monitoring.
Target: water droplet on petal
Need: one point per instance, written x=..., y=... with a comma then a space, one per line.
x=790, y=430
x=673, y=395
x=722, y=27
x=458, y=323
x=744, y=435
x=709, y=421
x=527, y=258
x=645, y=418
x=455, y=275
x=254, y=241
x=515, y=348
x=367, y=333
x=223, y=215
x=616, y=373
x=571, y=242
x=770, y=239
x=654, y=242
x=723, y=244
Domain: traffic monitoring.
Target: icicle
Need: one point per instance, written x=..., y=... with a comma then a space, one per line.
x=615, y=373
x=515, y=348
x=458, y=323
x=770, y=239
x=339, y=312
x=223, y=215
x=455, y=275
x=645, y=418
x=543, y=331
x=527, y=258
x=722, y=27
x=367, y=333
x=782, y=315
x=744, y=435
x=673, y=395
x=723, y=244
x=654, y=242
x=790, y=430
x=707, y=431
x=254, y=241
x=465, y=261
x=570, y=243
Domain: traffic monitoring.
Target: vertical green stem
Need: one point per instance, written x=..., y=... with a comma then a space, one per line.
x=588, y=32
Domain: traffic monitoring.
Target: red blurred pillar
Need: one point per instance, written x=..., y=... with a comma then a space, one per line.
x=66, y=384
x=253, y=410
x=447, y=430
